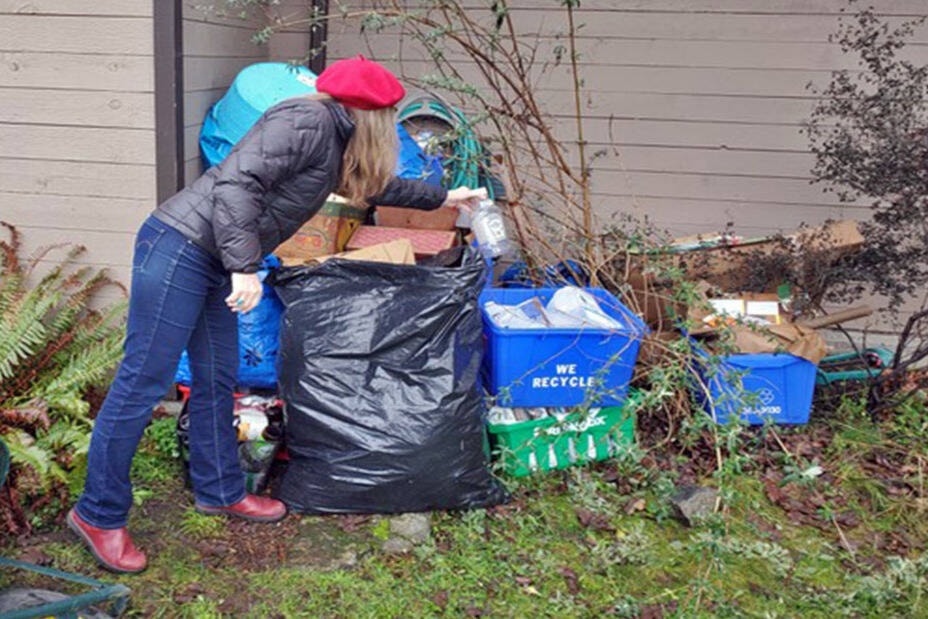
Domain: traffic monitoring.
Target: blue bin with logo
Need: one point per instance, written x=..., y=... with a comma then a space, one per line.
x=555, y=367
x=757, y=388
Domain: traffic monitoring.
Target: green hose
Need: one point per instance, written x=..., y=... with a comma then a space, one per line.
x=464, y=167
x=4, y=462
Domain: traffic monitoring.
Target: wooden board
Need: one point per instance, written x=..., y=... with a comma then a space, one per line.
x=609, y=51
x=220, y=40
x=78, y=143
x=748, y=7
x=79, y=35
x=77, y=178
x=77, y=107
x=50, y=70
x=193, y=168
x=211, y=73
x=673, y=25
x=713, y=214
x=121, y=8
x=110, y=251
x=77, y=214
x=198, y=102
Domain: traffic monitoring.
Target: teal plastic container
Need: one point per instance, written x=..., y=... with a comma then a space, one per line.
x=255, y=89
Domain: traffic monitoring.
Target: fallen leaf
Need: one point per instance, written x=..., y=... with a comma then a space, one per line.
x=570, y=578
x=636, y=505
x=35, y=555
x=440, y=599
x=652, y=611
x=352, y=523
x=593, y=520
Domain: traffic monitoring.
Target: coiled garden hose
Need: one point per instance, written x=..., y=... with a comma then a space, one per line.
x=468, y=154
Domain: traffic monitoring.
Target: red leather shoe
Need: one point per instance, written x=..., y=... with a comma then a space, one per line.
x=113, y=548
x=252, y=507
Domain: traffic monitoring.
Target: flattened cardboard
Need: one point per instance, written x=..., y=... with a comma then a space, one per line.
x=442, y=218
x=425, y=243
x=752, y=339
x=730, y=268
x=395, y=252
x=791, y=338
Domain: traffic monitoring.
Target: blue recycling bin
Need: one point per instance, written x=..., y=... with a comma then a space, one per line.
x=560, y=367
x=775, y=387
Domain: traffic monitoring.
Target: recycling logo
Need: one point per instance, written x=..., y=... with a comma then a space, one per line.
x=766, y=399
x=766, y=396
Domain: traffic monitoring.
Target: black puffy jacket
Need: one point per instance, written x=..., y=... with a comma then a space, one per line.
x=276, y=178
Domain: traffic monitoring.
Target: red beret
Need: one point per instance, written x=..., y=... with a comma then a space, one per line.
x=361, y=83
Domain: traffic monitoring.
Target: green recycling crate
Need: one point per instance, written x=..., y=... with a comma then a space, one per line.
x=550, y=443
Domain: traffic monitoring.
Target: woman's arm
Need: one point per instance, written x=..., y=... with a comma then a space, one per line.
x=419, y=195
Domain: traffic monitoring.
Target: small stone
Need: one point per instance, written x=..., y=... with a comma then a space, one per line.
x=693, y=503
x=397, y=546
x=416, y=528
x=346, y=560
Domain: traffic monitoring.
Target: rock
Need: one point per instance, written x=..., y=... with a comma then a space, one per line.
x=417, y=528
x=346, y=560
x=408, y=531
x=397, y=546
x=693, y=503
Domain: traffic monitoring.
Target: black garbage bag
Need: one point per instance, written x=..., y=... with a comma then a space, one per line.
x=379, y=369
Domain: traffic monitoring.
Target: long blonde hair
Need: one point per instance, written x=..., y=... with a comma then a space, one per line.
x=369, y=161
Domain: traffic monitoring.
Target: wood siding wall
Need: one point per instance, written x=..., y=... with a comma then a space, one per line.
x=703, y=99
x=77, y=117
x=77, y=129
x=215, y=50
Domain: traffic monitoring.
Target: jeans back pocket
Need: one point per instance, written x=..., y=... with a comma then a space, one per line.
x=145, y=242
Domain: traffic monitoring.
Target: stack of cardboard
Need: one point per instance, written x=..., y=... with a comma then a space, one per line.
x=430, y=232
x=425, y=243
x=757, y=323
x=399, y=251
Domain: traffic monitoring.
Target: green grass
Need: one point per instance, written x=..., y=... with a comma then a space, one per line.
x=535, y=558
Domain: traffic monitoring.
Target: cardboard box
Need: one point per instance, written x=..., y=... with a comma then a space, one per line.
x=742, y=265
x=394, y=252
x=652, y=300
x=747, y=265
x=443, y=218
x=326, y=233
x=788, y=337
x=425, y=243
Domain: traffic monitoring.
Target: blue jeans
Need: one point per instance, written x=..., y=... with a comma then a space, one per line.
x=177, y=301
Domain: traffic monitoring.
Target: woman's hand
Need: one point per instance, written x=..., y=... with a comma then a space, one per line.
x=462, y=197
x=246, y=292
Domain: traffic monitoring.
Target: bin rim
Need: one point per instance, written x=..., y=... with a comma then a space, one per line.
x=636, y=326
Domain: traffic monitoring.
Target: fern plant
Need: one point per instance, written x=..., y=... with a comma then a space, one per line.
x=54, y=346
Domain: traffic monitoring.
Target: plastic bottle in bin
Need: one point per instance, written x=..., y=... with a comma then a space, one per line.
x=486, y=221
